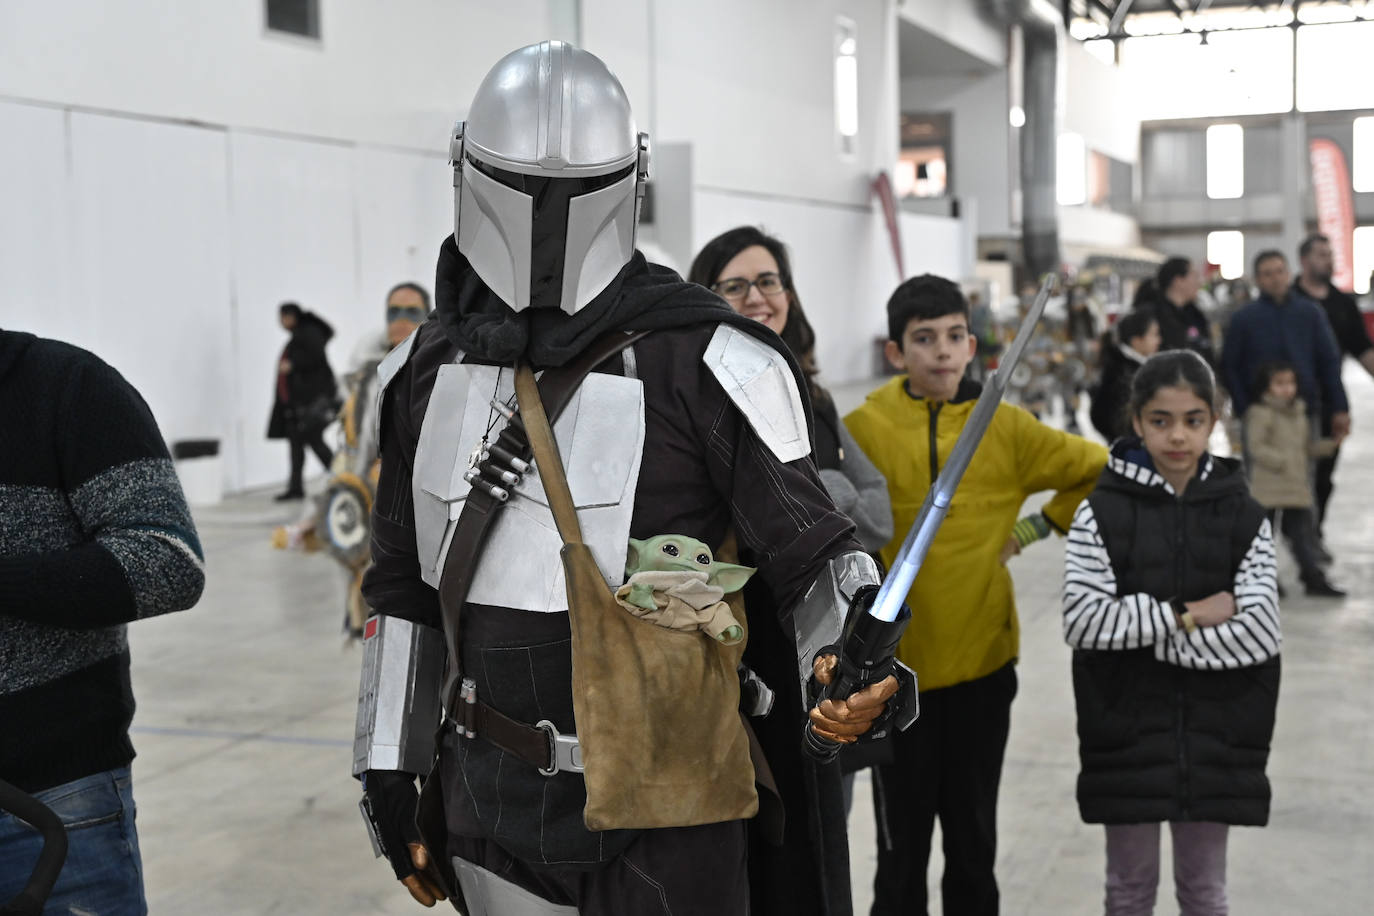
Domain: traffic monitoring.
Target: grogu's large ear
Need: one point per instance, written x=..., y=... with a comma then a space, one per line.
x=729, y=576
x=635, y=557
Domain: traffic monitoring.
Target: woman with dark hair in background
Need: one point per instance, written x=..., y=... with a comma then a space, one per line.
x=750, y=270
x=1127, y=344
x=1182, y=325
x=307, y=393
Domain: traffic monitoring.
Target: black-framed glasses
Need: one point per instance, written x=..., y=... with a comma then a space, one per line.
x=413, y=313
x=770, y=284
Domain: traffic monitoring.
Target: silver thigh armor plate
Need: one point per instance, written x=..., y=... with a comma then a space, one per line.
x=601, y=440
x=488, y=894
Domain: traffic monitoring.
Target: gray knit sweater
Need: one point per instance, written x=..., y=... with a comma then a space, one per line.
x=94, y=532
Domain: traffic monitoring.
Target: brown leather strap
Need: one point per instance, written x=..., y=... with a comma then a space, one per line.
x=528, y=742
x=546, y=457
x=480, y=509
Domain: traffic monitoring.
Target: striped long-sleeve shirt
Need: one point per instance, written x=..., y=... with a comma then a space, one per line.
x=1097, y=615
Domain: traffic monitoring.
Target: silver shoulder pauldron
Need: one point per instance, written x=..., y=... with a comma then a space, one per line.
x=761, y=384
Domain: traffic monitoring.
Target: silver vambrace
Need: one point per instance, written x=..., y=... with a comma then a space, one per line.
x=818, y=619
x=398, y=697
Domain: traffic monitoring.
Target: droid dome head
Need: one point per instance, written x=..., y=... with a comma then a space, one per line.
x=549, y=172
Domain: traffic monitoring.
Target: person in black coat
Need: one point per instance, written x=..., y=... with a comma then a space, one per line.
x=1134, y=339
x=1182, y=325
x=307, y=396
x=1171, y=607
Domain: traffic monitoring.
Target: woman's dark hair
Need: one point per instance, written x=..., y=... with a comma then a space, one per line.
x=290, y=308
x=419, y=290
x=1145, y=295
x=797, y=333
x=1173, y=369
x=1170, y=271
x=1266, y=374
x=1132, y=325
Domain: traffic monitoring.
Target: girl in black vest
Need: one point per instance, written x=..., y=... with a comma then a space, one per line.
x=1171, y=607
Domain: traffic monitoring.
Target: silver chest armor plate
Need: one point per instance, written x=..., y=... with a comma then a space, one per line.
x=601, y=440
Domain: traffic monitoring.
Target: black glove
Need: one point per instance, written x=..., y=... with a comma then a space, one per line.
x=389, y=800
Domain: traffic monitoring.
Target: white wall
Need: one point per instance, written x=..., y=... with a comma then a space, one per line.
x=179, y=172
x=981, y=146
x=960, y=23
x=1100, y=104
x=395, y=73
x=165, y=248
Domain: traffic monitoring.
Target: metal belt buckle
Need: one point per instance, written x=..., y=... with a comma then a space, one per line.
x=565, y=751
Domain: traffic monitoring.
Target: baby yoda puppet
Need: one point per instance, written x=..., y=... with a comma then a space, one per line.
x=675, y=582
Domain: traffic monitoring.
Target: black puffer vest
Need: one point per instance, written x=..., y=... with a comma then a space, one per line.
x=1159, y=742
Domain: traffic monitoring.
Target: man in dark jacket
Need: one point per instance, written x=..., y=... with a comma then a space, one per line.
x=307, y=393
x=1351, y=336
x=94, y=533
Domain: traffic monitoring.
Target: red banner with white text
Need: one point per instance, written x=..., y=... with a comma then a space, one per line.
x=1335, y=208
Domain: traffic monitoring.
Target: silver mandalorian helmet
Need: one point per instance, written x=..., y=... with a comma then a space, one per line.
x=548, y=175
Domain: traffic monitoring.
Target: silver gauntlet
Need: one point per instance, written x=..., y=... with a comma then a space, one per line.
x=398, y=698
x=818, y=619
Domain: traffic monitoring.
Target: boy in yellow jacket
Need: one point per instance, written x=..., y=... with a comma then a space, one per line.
x=963, y=637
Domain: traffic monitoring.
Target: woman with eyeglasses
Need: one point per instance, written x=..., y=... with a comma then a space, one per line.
x=749, y=269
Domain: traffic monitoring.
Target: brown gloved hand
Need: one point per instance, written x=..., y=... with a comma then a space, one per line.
x=843, y=721
x=423, y=884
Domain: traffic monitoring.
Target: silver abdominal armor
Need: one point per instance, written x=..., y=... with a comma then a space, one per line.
x=601, y=439
x=398, y=697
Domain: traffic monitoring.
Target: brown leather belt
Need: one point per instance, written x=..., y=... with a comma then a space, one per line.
x=541, y=745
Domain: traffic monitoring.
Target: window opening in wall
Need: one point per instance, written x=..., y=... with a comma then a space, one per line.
x=846, y=85
x=1073, y=170
x=1364, y=257
x=1333, y=66
x=1363, y=155
x=923, y=163
x=1225, y=161
x=1226, y=249
x=295, y=17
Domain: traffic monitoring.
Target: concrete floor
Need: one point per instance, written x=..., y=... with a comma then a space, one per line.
x=246, y=708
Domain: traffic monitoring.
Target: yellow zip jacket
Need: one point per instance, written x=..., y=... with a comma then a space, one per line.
x=963, y=623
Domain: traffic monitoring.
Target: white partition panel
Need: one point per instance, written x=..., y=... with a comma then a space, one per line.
x=405, y=210
x=149, y=256
x=292, y=209
x=36, y=256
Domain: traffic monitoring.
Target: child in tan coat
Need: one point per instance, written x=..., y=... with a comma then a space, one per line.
x=1281, y=445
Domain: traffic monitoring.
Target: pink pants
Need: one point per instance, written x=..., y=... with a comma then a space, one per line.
x=1199, y=868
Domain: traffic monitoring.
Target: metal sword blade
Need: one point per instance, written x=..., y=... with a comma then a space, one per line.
x=922, y=534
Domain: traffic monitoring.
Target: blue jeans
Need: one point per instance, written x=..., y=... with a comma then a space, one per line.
x=103, y=873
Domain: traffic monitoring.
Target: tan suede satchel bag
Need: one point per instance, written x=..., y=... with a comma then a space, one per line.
x=657, y=710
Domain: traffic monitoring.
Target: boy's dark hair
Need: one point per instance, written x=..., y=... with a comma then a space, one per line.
x=1309, y=242
x=1133, y=325
x=1173, y=369
x=797, y=333
x=923, y=298
x=1268, y=254
x=291, y=308
x=1170, y=271
x=1265, y=374
x=418, y=289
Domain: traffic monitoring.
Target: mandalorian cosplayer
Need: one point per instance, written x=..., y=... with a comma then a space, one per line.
x=692, y=420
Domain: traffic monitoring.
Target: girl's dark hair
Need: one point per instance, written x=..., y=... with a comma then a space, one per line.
x=1266, y=374
x=1145, y=294
x=1173, y=369
x=1170, y=271
x=1133, y=325
x=797, y=333
x=290, y=308
x=419, y=290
